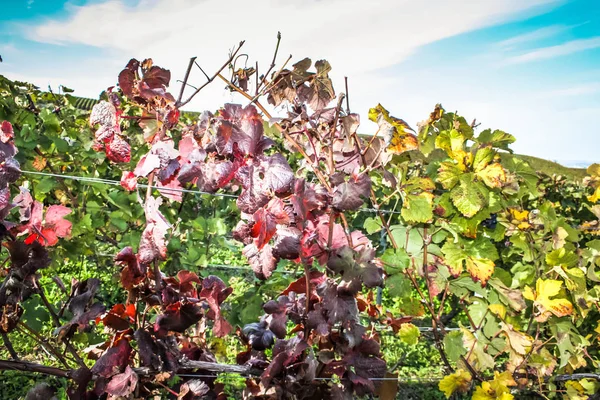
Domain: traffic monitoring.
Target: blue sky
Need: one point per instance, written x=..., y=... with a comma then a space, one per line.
x=530, y=67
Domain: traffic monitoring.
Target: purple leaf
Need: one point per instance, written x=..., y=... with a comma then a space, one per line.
x=348, y=196
x=122, y=384
x=114, y=360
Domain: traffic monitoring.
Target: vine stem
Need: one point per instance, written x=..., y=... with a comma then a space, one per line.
x=43, y=342
x=270, y=67
x=9, y=346
x=32, y=367
x=373, y=195
x=185, y=79
x=57, y=322
x=434, y=319
x=180, y=104
x=305, y=317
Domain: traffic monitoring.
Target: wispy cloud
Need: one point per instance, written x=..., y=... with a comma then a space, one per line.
x=576, y=90
x=549, y=52
x=352, y=33
x=533, y=36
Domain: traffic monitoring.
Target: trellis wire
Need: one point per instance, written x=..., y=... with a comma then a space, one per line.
x=161, y=189
x=117, y=183
x=399, y=380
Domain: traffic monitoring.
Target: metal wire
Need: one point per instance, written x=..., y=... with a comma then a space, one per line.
x=400, y=380
x=117, y=183
x=165, y=189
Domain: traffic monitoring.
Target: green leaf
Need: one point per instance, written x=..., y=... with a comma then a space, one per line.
x=395, y=261
x=46, y=185
x=477, y=255
x=36, y=314
x=418, y=208
x=409, y=333
x=469, y=197
x=448, y=174
x=497, y=138
x=483, y=157
x=410, y=239
x=50, y=120
x=117, y=219
x=398, y=286
x=453, y=345
x=82, y=226
x=372, y=225
x=61, y=145
x=561, y=257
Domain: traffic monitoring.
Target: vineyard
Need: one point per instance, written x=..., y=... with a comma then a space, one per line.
x=268, y=250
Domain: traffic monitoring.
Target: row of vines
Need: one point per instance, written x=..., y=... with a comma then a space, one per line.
x=353, y=242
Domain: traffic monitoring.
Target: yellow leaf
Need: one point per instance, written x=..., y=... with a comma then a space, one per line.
x=519, y=215
x=503, y=380
x=558, y=237
x=594, y=170
x=480, y=268
x=484, y=392
x=398, y=132
x=493, y=175
x=39, y=163
x=528, y=293
x=456, y=382
x=518, y=341
x=498, y=309
x=496, y=389
x=544, y=290
x=595, y=196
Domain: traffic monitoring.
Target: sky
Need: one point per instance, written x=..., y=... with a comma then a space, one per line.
x=528, y=67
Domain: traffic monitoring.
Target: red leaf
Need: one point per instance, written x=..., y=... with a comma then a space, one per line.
x=153, y=245
x=266, y=220
x=178, y=317
x=119, y=317
x=6, y=132
x=171, y=190
x=348, y=195
x=262, y=261
x=215, y=292
x=186, y=283
x=133, y=273
x=114, y=360
x=287, y=243
x=243, y=126
x=129, y=180
x=118, y=150
x=46, y=231
x=299, y=286
x=55, y=220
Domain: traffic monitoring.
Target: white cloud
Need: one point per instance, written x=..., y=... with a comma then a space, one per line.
x=356, y=36
x=576, y=90
x=544, y=53
x=363, y=35
x=538, y=34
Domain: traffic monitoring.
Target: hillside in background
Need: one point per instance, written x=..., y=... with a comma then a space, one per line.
x=549, y=167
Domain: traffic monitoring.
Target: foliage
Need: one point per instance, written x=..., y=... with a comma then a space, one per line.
x=471, y=240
